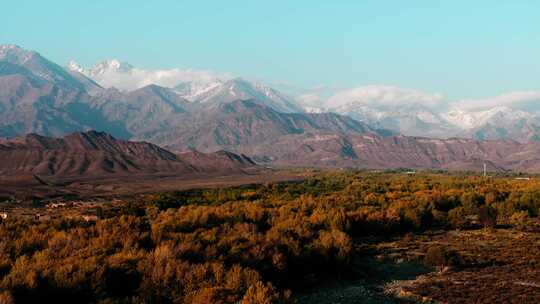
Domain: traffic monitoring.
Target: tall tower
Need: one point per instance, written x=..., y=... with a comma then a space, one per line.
x=485, y=170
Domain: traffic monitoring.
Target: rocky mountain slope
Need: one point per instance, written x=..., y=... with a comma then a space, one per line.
x=248, y=122
x=35, y=100
x=496, y=123
x=95, y=153
x=240, y=89
x=372, y=151
x=39, y=96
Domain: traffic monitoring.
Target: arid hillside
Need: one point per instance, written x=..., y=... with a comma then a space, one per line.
x=97, y=154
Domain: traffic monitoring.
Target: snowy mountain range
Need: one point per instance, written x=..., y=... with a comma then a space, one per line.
x=406, y=111
x=415, y=119
x=410, y=112
x=192, y=85
x=238, y=89
x=499, y=122
x=322, y=127
x=126, y=77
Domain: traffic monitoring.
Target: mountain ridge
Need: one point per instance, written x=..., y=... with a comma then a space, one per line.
x=93, y=153
x=375, y=105
x=244, y=118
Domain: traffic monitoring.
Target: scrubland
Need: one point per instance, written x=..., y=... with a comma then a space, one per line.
x=341, y=236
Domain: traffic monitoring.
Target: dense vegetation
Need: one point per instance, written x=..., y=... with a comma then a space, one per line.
x=251, y=244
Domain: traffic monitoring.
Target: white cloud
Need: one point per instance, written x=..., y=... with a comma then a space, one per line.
x=310, y=99
x=519, y=99
x=307, y=97
x=138, y=78
x=383, y=95
x=113, y=73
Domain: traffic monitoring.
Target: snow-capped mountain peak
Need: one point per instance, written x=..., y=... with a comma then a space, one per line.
x=15, y=54
x=104, y=67
x=194, y=90
x=126, y=77
x=112, y=65
x=75, y=66
x=460, y=118
x=37, y=65
x=5, y=48
x=236, y=89
x=497, y=115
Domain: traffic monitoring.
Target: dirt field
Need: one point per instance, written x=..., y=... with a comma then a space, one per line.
x=499, y=266
x=26, y=188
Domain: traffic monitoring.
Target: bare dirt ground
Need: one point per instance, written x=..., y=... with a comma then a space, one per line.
x=28, y=187
x=499, y=266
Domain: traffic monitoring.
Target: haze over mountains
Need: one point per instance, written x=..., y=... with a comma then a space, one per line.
x=186, y=110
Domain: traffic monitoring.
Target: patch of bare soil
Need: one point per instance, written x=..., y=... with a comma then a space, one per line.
x=498, y=266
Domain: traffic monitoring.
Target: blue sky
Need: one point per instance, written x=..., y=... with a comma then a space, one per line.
x=462, y=49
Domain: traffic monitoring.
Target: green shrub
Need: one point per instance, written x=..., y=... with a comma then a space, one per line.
x=440, y=257
x=487, y=216
x=519, y=219
x=457, y=217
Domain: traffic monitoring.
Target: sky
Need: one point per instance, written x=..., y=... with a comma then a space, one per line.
x=460, y=49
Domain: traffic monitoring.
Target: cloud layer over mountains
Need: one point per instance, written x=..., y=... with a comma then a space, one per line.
x=526, y=100
x=383, y=95
x=124, y=76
